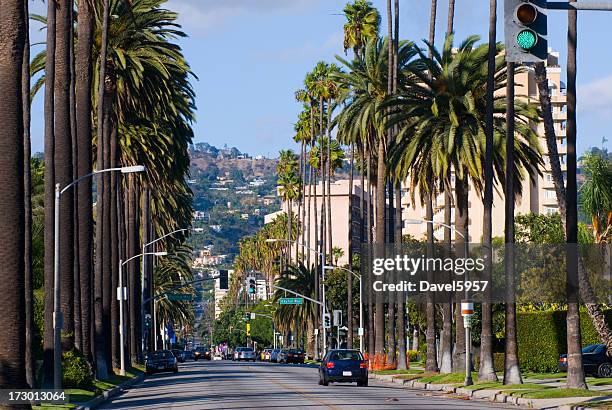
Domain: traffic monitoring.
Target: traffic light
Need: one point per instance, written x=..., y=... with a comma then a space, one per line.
x=251, y=285
x=147, y=322
x=223, y=279
x=526, y=31
x=327, y=321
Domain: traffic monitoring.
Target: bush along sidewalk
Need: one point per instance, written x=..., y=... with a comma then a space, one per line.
x=545, y=390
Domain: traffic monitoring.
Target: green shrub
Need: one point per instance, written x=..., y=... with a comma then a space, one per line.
x=498, y=362
x=542, y=338
x=412, y=355
x=77, y=373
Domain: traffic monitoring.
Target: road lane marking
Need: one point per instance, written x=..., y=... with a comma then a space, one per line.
x=297, y=390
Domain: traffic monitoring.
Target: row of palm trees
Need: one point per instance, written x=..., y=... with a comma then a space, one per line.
x=117, y=93
x=421, y=116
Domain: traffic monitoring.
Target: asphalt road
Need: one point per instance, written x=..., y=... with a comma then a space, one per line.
x=230, y=385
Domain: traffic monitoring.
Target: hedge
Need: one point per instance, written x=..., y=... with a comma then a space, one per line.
x=542, y=338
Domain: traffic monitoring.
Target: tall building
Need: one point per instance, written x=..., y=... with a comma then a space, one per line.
x=538, y=193
x=220, y=293
x=340, y=203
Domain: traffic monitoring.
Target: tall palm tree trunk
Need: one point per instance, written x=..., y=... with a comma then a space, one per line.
x=379, y=314
x=390, y=234
x=107, y=294
x=30, y=360
x=512, y=372
x=114, y=250
x=12, y=232
x=371, y=331
x=461, y=228
x=487, y=369
x=446, y=339
x=575, y=371
x=133, y=270
x=349, y=280
x=76, y=282
x=431, y=362
x=102, y=362
x=451, y=17
x=63, y=167
x=83, y=77
x=330, y=244
x=49, y=206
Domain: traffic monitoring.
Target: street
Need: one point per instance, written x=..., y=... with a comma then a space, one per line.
x=230, y=385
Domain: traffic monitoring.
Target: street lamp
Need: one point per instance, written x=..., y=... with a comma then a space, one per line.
x=322, y=255
x=360, y=302
x=468, y=336
x=142, y=291
x=57, y=309
x=121, y=297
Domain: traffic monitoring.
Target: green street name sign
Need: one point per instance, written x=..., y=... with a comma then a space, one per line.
x=184, y=297
x=291, y=301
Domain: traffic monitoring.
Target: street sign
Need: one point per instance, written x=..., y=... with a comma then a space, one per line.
x=467, y=308
x=291, y=301
x=119, y=293
x=181, y=297
x=248, y=329
x=316, y=332
x=252, y=315
x=360, y=331
x=337, y=317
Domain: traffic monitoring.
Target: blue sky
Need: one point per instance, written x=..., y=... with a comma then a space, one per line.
x=251, y=55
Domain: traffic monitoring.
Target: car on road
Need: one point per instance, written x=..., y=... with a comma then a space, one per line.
x=188, y=355
x=343, y=366
x=295, y=356
x=244, y=353
x=202, y=353
x=595, y=361
x=161, y=361
x=282, y=356
x=274, y=355
x=265, y=355
x=179, y=354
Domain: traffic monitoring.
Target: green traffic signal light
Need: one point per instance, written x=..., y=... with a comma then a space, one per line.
x=526, y=39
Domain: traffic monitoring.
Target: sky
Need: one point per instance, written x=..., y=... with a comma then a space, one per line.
x=250, y=56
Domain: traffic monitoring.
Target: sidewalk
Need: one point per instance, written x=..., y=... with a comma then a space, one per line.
x=503, y=394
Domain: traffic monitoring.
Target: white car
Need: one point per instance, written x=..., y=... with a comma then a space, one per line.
x=244, y=353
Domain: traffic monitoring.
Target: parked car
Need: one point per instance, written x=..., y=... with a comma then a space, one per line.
x=179, y=354
x=161, y=361
x=188, y=355
x=282, y=356
x=265, y=355
x=595, y=361
x=295, y=356
x=228, y=355
x=244, y=353
x=344, y=366
x=274, y=355
x=202, y=353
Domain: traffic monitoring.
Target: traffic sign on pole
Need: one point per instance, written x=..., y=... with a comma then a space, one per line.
x=337, y=317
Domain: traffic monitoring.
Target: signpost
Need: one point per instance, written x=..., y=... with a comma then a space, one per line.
x=467, y=311
x=291, y=301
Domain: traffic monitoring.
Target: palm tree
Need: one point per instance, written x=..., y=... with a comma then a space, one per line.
x=63, y=165
x=30, y=359
x=83, y=74
x=363, y=22
x=12, y=31
x=101, y=359
x=290, y=187
x=49, y=191
x=487, y=371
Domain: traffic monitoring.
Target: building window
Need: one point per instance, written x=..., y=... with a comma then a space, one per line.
x=550, y=210
x=549, y=194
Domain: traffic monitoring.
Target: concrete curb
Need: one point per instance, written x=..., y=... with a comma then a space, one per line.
x=108, y=394
x=495, y=396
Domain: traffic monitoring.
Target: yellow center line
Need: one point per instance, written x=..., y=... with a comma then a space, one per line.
x=298, y=391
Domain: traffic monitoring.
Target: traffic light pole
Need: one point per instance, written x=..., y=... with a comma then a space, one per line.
x=587, y=5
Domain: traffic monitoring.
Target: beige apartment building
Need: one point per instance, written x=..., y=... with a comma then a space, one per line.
x=538, y=195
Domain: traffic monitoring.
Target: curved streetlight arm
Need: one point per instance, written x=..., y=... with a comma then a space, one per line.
x=420, y=221
x=144, y=254
x=165, y=236
x=124, y=170
x=332, y=267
